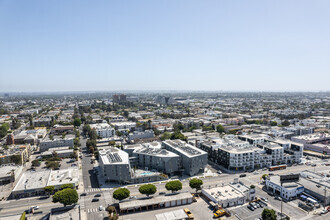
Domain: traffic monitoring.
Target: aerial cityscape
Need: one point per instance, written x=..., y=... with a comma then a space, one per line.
x=164, y=110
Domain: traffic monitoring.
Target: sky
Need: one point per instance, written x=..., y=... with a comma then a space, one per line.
x=220, y=45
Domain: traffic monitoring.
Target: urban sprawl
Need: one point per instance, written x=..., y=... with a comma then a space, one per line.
x=165, y=156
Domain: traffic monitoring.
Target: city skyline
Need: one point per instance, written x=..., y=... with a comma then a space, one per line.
x=254, y=46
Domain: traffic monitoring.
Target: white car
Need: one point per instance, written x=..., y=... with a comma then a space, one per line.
x=219, y=172
x=324, y=211
x=35, y=207
x=101, y=208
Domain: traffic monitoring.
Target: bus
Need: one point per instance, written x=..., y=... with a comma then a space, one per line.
x=279, y=167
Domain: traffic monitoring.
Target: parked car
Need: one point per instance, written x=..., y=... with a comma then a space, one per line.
x=278, y=198
x=324, y=211
x=251, y=207
x=242, y=175
x=34, y=207
x=97, y=195
x=83, y=194
x=219, y=172
x=95, y=200
x=264, y=199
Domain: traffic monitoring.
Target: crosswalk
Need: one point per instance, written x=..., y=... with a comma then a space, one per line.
x=92, y=190
x=92, y=210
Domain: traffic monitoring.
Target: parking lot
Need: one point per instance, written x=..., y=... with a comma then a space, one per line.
x=64, y=164
x=244, y=213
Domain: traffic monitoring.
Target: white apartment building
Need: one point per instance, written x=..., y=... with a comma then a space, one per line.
x=103, y=130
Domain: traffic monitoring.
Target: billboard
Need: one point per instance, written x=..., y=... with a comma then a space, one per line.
x=289, y=178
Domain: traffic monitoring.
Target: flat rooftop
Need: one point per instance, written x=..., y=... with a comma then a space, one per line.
x=6, y=170
x=173, y=215
x=185, y=149
x=32, y=180
x=113, y=155
x=161, y=199
x=60, y=177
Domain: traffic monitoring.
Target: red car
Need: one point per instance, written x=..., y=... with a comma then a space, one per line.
x=328, y=208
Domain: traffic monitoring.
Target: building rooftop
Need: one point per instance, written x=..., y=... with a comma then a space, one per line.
x=154, y=200
x=32, y=180
x=113, y=155
x=7, y=170
x=60, y=177
x=185, y=148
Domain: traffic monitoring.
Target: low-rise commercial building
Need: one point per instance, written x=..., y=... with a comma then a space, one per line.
x=9, y=173
x=45, y=145
x=287, y=191
x=32, y=183
x=233, y=194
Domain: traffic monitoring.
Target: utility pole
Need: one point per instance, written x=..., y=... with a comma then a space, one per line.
x=281, y=199
x=325, y=196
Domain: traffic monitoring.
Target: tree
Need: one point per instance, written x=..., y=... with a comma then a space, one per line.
x=220, y=129
x=66, y=186
x=17, y=159
x=269, y=214
x=49, y=189
x=165, y=136
x=264, y=176
x=35, y=163
x=77, y=122
x=121, y=193
x=178, y=135
x=148, y=189
x=196, y=183
x=52, y=165
x=252, y=186
x=66, y=196
x=174, y=185
x=273, y=123
x=285, y=123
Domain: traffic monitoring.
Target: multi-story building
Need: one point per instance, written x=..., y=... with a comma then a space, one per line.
x=151, y=156
x=141, y=135
x=45, y=145
x=104, y=130
x=192, y=159
x=317, y=142
x=17, y=154
x=115, y=165
x=125, y=125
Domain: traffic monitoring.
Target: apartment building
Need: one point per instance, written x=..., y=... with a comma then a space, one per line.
x=115, y=165
x=192, y=159
x=17, y=154
x=317, y=142
x=103, y=130
x=151, y=156
x=141, y=135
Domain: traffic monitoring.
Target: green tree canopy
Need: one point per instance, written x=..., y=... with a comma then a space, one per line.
x=273, y=123
x=66, y=186
x=165, y=136
x=264, y=176
x=285, y=123
x=148, y=189
x=121, y=193
x=178, y=135
x=77, y=122
x=269, y=214
x=66, y=196
x=35, y=163
x=174, y=185
x=196, y=183
x=49, y=189
x=220, y=129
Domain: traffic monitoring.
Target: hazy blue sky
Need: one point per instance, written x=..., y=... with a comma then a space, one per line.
x=66, y=45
